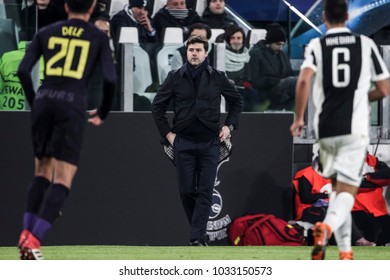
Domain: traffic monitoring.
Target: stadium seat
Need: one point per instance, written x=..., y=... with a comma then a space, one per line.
x=173, y=39
x=116, y=6
x=255, y=35
x=142, y=77
x=214, y=34
x=296, y=64
x=164, y=58
x=7, y=35
x=128, y=35
x=173, y=35
x=200, y=6
x=157, y=5
x=142, y=74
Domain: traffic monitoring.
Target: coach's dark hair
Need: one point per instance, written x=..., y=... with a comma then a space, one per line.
x=200, y=26
x=336, y=11
x=79, y=6
x=197, y=39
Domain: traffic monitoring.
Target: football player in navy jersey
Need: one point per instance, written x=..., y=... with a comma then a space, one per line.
x=70, y=50
x=345, y=66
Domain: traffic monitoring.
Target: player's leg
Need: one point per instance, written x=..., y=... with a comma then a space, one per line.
x=64, y=144
x=321, y=231
x=337, y=214
x=347, y=164
x=343, y=239
x=343, y=156
x=43, y=175
x=35, y=195
x=343, y=235
x=63, y=176
x=341, y=206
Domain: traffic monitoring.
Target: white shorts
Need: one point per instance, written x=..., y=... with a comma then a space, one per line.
x=343, y=157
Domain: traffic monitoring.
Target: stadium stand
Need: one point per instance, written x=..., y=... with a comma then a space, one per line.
x=157, y=5
x=116, y=6
x=142, y=77
x=215, y=32
x=200, y=6
x=173, y=35
x=7, y=35
x=173, y=39
x=255, y=35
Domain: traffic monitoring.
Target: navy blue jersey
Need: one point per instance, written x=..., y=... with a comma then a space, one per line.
x=70, y=49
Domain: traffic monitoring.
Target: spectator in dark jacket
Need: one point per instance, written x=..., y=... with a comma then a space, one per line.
x=38, y=15
x=100, y=17
x=100, y=12
x=215, y=16
x=175, y=14
x=272, y=74
x=135, y=14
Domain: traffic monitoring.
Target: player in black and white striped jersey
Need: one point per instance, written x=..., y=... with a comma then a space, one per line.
x=345, y=66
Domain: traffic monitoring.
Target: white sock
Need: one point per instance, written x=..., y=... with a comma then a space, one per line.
x=343, y=235
x=332, y=197
x=339, y=209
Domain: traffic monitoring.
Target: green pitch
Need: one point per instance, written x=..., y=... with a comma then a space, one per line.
x=192, y=253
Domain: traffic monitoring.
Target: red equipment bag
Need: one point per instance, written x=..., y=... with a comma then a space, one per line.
x=263, y=230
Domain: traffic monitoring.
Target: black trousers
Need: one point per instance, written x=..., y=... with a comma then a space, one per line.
x=196, y=165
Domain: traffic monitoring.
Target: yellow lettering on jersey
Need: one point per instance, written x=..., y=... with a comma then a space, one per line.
x=72, y=31
x=67, y=50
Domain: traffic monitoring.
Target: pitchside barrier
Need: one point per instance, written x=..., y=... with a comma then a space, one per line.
x=125, y=191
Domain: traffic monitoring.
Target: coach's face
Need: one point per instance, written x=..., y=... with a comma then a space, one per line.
x=196, y=54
